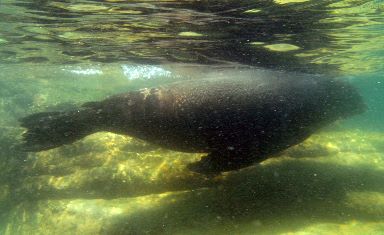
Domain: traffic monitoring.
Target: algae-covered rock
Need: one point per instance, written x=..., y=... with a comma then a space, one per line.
x=112, y=184
x=367, y=202
x=348, y=227
x=109, y=165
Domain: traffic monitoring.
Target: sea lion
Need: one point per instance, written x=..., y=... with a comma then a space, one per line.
x=237, y=120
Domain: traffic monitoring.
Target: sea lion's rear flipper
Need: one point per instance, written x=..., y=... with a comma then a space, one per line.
x=220, y=161
x=52, y=129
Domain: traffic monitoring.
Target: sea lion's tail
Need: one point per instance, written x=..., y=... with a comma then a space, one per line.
x=49, y=130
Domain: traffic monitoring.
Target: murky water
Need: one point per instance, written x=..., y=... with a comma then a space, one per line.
x=56, y=55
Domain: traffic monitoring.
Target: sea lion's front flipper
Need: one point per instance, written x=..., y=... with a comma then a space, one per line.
x=220, y=161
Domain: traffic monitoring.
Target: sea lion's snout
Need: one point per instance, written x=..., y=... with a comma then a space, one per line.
x=361, y=108
x=352, y=102
x=341, y=99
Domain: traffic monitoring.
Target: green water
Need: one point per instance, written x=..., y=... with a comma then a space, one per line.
x=55, y=55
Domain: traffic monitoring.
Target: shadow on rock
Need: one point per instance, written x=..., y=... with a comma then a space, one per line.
x=270, y=198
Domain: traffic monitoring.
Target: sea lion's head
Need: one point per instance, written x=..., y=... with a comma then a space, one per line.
x=345, y=99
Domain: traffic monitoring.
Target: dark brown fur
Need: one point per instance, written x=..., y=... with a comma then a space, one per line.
x=237, y=120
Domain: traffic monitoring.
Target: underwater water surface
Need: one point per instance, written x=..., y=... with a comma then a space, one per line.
x=56, y=55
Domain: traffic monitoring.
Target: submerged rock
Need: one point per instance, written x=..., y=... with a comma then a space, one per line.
x=111, y=184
